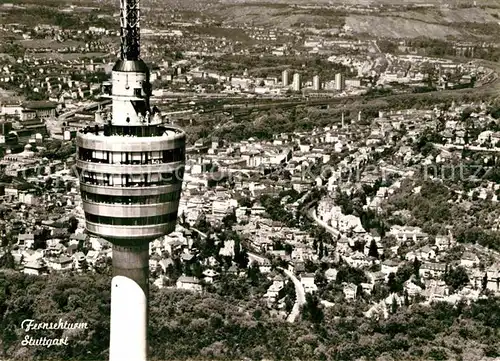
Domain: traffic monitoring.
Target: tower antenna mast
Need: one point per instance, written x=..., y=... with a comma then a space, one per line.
x=130, y=31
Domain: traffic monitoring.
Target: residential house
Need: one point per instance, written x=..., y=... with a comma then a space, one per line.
x=493, y=278
x=444, y=243
x=77, y=238
x=187, y=257
x=296, y=267
x=71, y=249
x=35, y=268
x=377, y=276
x=350, y=291
x=343, y=246
x=165, y=263
x=432, y=269
x=426, y=253
x=469, y=260
x=377, y=310
x=92, y=257
x=394, y=297
x=153, y=263
x=228, y=249
x=273, y=290
x=307, y=280
x=405, y=234
x=436, y=290
x=78, y=258
x=367, y=288
x=389, y=266
x=61, y=263
x=411, y=288
x=357, y=260
x=56, y=249
x=265, y=266
x=331, y=274
x=209, y=275
x=25, y=241
x=189, y=283
x=156, y=248
x=97, y=243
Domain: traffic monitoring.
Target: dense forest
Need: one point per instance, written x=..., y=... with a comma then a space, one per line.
x=188, y=326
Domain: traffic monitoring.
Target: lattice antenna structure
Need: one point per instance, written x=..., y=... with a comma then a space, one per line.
x=130, y=31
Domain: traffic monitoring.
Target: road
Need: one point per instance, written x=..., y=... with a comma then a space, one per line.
x=300, y=295
x=252, y=257
x=469, y=147
x=203, y=235
x=319, y=222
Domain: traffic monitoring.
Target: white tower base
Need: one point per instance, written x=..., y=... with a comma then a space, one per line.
x=129, y=304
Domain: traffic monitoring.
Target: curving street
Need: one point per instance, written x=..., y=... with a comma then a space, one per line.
x=319, y=222
x=300, y=295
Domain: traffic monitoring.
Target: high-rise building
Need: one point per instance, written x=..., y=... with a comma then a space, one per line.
x=131, y=170
x=339, y=82
x=296, y=84
x=285, y=77
x=316, y=83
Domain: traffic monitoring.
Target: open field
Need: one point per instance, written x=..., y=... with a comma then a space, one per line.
x=488, y=3
x=279, y=16
x=393, y=27
x=444, y=15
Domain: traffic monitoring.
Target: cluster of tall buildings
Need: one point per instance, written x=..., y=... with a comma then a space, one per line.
x=296, y=84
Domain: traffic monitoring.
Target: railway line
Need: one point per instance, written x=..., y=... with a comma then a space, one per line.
x=193, y=103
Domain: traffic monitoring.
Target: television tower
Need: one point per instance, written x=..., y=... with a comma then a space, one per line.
x=130, y=169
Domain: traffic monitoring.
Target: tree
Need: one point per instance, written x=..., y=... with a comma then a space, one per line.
x=73, y=224
x=321, y=251
x=359, y=291
x=84, y=265
x=320, y=279
x=253, y=273
x=350, y=275
x=197, y=269
x=407, y=299
x=7, y=261
x=484, y=282
x=40, y=239
x=394, y=284
x=373, y=251
x=311, y=310
x=456, y=278
x=416, y=267
x=49, y=182
x=230, y=219
x=394, y=305
x=241, y=258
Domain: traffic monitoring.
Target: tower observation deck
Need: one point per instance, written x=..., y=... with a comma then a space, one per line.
x=131, y=170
